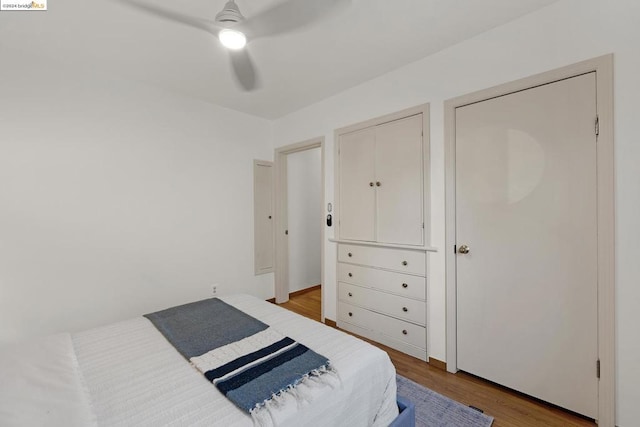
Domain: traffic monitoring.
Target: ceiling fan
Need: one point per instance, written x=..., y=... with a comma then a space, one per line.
x=234, y=30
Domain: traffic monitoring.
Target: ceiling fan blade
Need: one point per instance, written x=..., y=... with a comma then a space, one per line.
x=290, y=15
x=176, y=17
x=244, y=70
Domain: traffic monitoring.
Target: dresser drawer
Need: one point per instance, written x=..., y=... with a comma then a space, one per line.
x=389, y=281
x=393, y=305
x=406, y=261
x=398, y=330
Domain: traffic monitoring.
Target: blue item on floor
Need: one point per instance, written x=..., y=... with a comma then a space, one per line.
x=407, y=416
x=435, y=410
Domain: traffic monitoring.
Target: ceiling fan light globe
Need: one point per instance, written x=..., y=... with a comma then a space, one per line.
x=232, y=39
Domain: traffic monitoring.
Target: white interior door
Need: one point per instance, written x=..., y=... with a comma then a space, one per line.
x=357, y=185
x=399, y=181
x=263, y=216
x=526, y=209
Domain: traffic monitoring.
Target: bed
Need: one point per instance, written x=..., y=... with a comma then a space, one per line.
x=127, y=373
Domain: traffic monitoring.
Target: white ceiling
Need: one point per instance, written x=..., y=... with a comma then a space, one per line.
x=363, y=41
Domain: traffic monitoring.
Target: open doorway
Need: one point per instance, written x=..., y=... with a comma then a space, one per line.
x=304, y=196
x=299, y=190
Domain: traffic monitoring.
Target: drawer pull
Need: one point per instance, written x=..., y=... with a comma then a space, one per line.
x=349, y=254
x=404, y=332
x=350, y=294
x=405, y=309
x=350, y=275
x=350, y=314
x=404, y=285
x=405, y=263
x=371, y=184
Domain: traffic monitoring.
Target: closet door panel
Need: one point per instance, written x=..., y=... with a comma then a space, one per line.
x=399, y=181
x=357, y=190
x=263, y=216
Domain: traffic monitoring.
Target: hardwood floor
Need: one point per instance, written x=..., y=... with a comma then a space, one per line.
x=308, y=304
x=509, y=408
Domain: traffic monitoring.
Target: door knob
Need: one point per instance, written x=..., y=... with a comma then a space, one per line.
x=463, y=249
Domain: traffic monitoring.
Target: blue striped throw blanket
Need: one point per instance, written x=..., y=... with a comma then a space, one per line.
x=252, y=364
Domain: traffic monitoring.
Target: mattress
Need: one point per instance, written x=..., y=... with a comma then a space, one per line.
x=133, y=376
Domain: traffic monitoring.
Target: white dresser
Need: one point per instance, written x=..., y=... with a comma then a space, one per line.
x=382, y=295
x=382, y=183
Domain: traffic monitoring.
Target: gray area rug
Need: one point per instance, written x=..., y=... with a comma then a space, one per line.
x=436, y=410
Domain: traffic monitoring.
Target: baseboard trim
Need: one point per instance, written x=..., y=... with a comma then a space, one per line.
x=304, y=291
x=437, y=363
x=331, y=323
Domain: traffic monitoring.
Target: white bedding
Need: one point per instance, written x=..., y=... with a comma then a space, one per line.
x=40, y=385
x=135, y=377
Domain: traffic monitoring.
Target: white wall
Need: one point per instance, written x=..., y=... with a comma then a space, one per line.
x=117, y=198
x=564, y=33
x=304, y=176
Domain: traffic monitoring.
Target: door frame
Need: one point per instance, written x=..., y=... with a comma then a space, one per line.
x=603, y=66
x=281, y=270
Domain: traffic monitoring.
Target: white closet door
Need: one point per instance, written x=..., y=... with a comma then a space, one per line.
x=357, y=185
x=526, y=208
x=399, y=181
x=263, y=216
